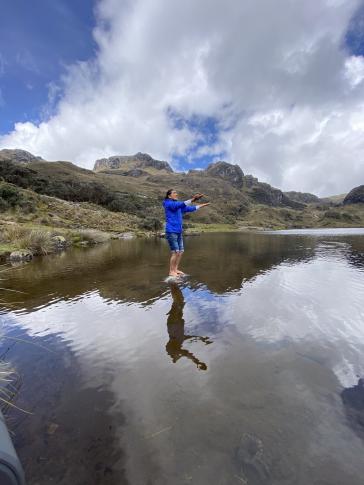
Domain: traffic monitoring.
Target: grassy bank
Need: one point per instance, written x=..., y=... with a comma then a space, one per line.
x=41, y=224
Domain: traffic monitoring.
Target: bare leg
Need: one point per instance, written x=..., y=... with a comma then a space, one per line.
x=178, y=261
x=173, y=264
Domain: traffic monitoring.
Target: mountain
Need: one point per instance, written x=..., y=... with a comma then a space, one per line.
x=136, y=185
x=302, y=197
x=334, y=199
x=18, y=156
x=226, y=171
x=355, y=196
x=139, y=165
x=130, y=163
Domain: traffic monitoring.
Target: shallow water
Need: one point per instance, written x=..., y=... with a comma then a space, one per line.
x=247, y=371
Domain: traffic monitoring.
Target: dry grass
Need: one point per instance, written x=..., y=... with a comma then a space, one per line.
x=37, y=241
x=92, y=236
x=8, y=387
x=14, y=232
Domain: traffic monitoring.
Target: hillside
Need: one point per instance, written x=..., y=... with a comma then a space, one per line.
x=135, y=186
x=334, y=199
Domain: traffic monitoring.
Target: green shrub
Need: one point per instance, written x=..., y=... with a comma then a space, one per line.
x=332, y=214
x=350, y=217
x=151, y=224
x=11, y=197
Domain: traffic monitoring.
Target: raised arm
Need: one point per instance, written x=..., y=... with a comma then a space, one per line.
x=192, y=208
x=175, y=204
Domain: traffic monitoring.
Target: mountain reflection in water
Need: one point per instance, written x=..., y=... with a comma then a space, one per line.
x=240, y=373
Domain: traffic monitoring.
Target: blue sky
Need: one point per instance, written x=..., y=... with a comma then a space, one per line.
x=354, y=39
x=38, y=39
x=275, y=87
x=208, y=130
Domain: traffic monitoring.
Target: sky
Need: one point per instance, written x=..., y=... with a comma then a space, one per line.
x=276, y=87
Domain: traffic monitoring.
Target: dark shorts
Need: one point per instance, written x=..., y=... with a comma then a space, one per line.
x=175, y=241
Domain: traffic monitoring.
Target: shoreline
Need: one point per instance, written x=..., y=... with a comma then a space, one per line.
x=64, y=239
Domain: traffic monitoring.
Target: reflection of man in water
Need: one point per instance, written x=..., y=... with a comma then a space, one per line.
x=176, y=330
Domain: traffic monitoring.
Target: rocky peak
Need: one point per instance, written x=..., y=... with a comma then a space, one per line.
x=249, y=181
x=18, y=156
x=139, y=160
x=355, y=196
x=264, y=193
x=226, y=171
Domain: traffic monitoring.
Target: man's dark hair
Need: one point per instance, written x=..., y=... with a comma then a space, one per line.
x=168, y=193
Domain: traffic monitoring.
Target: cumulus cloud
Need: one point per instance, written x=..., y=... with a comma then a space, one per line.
x=286, y=94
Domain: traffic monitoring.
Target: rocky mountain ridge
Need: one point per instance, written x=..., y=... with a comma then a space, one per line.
x=259, y=192
x=139, y=161
x=136, y=184
x=21, y=157
x=355, y=196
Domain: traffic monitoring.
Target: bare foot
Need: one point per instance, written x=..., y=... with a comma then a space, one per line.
x=174, y=274
x=180, y=272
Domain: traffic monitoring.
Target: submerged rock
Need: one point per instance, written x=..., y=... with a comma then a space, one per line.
x=253, y=464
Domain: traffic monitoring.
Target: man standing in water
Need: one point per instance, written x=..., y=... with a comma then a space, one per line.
x=174, y=210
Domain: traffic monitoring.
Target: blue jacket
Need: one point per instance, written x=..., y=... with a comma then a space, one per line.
x=174, y=210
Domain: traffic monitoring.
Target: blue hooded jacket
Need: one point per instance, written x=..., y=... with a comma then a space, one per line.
x=174, y=210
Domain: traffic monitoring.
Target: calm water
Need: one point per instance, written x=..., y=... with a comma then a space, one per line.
x=246, y=372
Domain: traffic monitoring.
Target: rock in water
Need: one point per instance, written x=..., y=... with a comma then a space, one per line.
x=59, y=242
x=22, y=255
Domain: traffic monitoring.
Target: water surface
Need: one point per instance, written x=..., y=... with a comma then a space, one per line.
x=247, y=371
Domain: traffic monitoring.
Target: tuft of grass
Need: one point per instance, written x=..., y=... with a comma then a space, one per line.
x=38, y=241
x=8, y=387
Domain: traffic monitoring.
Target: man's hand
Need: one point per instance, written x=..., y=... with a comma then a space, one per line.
x=197, y=197
x=203, y=205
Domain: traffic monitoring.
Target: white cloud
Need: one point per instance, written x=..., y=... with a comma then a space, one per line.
x=355, y=70
x=289, y=96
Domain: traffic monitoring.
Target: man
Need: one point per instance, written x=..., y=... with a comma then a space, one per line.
x=174, y=210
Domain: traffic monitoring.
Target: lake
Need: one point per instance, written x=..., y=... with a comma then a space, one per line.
x=245, y=372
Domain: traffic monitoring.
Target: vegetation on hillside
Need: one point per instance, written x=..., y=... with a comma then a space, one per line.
x=70, y=185
x=46, y=199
